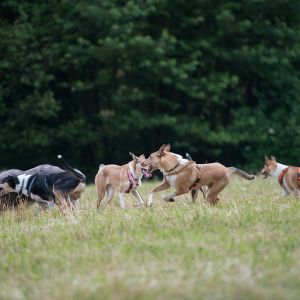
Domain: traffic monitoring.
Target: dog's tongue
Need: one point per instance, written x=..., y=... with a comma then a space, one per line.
x=146, y=174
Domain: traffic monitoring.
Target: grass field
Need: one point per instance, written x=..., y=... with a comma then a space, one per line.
x=247, y=247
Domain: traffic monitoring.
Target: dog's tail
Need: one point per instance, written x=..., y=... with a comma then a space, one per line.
x=241, y=173
x=80, y=176
x=188, y=157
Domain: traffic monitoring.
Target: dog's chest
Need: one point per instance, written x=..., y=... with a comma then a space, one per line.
x=172, y=180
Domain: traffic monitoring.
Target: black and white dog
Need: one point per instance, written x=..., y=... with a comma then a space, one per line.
x=46, y=184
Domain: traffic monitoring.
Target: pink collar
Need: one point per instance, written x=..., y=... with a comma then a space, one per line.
x=133, y=181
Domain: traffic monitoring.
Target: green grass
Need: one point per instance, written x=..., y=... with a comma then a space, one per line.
x=247, y=247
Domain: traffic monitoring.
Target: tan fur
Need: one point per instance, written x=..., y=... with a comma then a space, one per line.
x=111, y=178
x=290, y=184
x=214, y=175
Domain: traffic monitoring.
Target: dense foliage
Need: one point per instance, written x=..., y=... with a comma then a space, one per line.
x=96, y=79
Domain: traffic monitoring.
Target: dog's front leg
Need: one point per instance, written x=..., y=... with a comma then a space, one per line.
x=121, y=199
x=163, y=186
x=139, y=198
x=170, y=197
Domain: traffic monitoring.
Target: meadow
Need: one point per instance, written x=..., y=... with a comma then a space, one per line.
x=246, y=247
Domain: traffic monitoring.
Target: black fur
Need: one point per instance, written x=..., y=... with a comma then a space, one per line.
x=11, y=180
x=43, y=186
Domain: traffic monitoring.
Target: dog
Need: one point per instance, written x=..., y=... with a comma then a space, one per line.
x=287, y=176
x=124, y=179
x=46, y=187
x=184, y=175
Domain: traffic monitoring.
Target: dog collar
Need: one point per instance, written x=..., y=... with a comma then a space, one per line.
x=173, y=168
x=132, y=180
x=48, y=188
x=30, y=184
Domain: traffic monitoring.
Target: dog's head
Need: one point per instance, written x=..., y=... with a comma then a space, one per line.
x=8, y=184
x=160, y=159
x=138, y=162
x=269, y=167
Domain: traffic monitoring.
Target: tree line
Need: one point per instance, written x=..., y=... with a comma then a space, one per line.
x=95, y=79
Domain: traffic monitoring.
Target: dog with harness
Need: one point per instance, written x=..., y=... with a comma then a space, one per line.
x=287, y=176
x=45, y=187
x=124, y=179
x=184, y=175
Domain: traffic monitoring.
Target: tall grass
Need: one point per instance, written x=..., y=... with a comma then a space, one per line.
x=246, y=247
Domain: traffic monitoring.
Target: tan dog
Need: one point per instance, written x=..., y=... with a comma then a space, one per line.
x=184, y=175
x=287, y=176
x=124, y=179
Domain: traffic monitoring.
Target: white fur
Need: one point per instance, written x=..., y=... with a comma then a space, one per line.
x=121, y=199
x=138, y=197
x=275, y=174
x=80, y=187
x=23, y=179
x=172, y=180
x=139, y=178
x=182, y=160
x=278, y=170
x=150, y=199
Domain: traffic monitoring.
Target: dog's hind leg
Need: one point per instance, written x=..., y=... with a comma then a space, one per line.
x=215, y=189
x=109, y=193
x=100, y=188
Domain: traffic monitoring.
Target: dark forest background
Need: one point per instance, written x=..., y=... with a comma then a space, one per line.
x=95, y=79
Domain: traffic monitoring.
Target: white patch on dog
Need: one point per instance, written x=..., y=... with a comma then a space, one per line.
x=23, y=179
x=182, y=160
x=150, y=199
x=172, y=180
x=278, y=170
x=121, y=199
x=79, y=188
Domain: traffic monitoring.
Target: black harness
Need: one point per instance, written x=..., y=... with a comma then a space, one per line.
x=48, y=189
x=30, y=184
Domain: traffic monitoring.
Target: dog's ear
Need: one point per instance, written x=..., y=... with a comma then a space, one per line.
x=135, y=158
x=168, y=148
x=273, y=158
x=142, y=157
x=11, y=181
x=161, y=150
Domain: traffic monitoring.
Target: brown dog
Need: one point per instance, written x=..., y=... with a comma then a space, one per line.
x=184, y=175
x=287, y=176
x=124, y=179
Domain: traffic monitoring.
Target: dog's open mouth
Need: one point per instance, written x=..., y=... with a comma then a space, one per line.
x=147, y=173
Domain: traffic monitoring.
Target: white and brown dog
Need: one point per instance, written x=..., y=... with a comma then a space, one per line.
x=124, y=179
x=184, y=175
x=287, y=176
